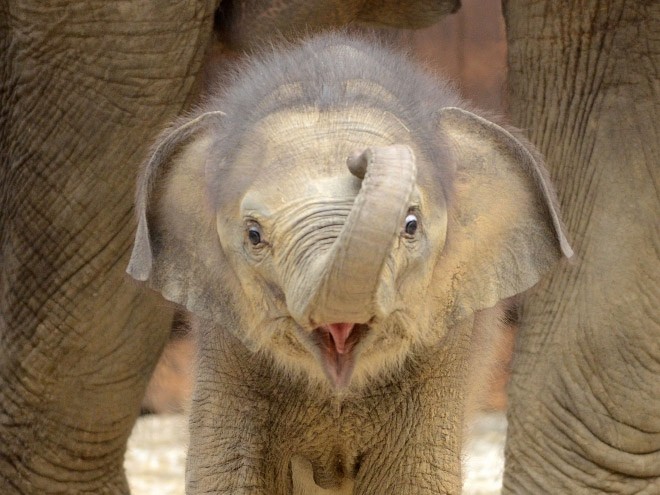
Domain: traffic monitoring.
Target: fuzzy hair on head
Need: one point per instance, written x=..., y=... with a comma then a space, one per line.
x=329, y=73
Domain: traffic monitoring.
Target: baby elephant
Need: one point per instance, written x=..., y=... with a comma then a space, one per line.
x=338, y=224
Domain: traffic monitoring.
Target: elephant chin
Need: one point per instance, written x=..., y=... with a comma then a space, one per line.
x=337, y=344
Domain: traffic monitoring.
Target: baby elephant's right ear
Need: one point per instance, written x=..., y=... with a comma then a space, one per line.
x=176, y=247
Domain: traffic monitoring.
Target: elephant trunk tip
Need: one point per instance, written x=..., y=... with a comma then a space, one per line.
x=357, y=163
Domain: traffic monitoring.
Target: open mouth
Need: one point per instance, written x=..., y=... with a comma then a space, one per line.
x=337, y=342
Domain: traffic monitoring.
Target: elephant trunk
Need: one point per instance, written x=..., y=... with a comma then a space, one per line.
x=348, y=277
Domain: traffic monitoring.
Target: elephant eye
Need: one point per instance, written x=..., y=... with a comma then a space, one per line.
x=410, y=225
x=254, y=233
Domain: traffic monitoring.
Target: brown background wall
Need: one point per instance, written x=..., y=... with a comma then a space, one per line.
x=470, y=48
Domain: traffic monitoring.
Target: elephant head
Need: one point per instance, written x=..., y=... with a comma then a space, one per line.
x=336, y=215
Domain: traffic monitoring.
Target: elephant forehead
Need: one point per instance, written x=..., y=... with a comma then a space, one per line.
x=302, y=153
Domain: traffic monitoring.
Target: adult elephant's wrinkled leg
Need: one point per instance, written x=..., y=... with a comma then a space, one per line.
x=584, y=396
x=84, y=88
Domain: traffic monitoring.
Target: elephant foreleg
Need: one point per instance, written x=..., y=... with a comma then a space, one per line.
x=83, y=89
x=585, y=395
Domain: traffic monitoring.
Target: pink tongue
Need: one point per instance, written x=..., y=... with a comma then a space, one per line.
x=340, y=333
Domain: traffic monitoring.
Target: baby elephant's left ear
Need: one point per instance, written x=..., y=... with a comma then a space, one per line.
x=504, y=230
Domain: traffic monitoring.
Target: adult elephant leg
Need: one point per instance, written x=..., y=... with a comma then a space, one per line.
x=84, y=88
x=585, y=394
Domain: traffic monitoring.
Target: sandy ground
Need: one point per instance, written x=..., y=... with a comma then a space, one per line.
x=156, y=455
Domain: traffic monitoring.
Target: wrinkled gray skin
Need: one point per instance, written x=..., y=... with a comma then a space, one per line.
x=338, y=230
x=584, y=412
x=77, y=343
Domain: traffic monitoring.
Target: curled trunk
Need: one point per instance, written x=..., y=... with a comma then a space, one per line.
x=344, y=287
